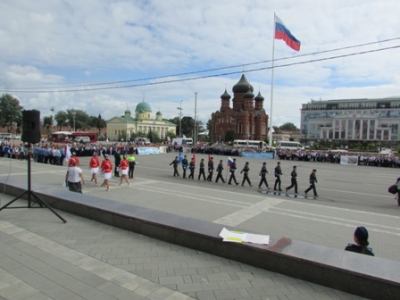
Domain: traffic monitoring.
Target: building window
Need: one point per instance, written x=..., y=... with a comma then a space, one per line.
x=115, y=131
x=240, y=128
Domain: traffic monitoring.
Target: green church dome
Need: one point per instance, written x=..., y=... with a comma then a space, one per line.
x=143, y=106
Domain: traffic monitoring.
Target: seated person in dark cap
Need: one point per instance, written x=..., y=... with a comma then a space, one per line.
x=361, y=242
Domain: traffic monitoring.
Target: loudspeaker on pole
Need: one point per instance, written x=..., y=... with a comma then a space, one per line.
x=31, y=126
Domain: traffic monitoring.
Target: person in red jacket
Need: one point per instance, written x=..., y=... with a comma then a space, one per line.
x=94, y=165
x=75, y=160
x=123, y=169
x=106, y=167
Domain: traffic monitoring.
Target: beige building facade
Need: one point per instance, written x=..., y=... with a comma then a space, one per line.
x=143, y=121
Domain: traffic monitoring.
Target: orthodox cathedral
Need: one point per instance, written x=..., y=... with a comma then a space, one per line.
x=246, y=118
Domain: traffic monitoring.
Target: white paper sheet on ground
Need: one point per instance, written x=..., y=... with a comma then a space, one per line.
x=241, y=237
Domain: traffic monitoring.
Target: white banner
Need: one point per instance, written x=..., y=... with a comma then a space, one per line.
x=349, y=160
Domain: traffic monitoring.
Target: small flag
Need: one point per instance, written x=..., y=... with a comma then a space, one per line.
x=209, y=157
x=68, y=153
x=180, y=158
x=282, y=33
x=230, y=161
x=194, y=158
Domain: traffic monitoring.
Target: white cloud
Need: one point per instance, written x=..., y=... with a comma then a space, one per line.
x=49, y=44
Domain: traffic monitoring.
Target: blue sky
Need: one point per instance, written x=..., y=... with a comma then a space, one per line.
x=51, y=45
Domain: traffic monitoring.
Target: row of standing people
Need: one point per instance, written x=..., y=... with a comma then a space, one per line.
x=191, y=166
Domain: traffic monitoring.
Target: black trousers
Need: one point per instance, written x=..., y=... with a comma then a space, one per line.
x=202, y=173
x=75, y=187
x=277, y=182
x=131, y=169
x=294, y=184
x=246, y=178
x=312, y=186
x=232, y=177
x=176, y=171
x=219, y=176
x=191, y=173
x=263, y=180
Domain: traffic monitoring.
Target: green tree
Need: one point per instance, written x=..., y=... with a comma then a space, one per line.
x=153, y=137
x=187, y=126
x=97, y=122
x=288, y=127
x=230, y=136
x=61, y=118
x=47, y=123
x=78, y=118
x=10, y=112
x=171, y=135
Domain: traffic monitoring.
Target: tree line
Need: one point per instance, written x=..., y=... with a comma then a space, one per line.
x=78, y=120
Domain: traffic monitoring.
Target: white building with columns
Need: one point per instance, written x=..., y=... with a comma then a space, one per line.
x=143, y=121
x=351, y=120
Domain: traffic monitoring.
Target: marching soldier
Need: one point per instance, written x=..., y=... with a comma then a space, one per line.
x=191, y=168
x=220, y=168
x=263, y=174
x=175, y=164
x=210, y=169
x=278, y=174
x=201, y=172
x=313, y=181
x=246, y=170
x=232, y=170
x=293, y=180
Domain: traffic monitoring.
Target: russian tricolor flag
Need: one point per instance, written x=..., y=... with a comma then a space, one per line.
x=282, y=33
x=230, y=161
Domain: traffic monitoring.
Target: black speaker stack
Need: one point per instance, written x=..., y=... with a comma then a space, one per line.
x=31, y=126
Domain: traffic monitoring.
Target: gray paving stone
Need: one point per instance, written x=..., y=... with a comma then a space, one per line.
x=206, y=295
x=171, y=280
x=190, y=287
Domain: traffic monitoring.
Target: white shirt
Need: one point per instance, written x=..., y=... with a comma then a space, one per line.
x=74, y=174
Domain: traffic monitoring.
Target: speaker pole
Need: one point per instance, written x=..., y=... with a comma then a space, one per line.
x=30, y=193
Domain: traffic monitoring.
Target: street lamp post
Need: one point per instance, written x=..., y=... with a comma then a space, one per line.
x=73, y=115
x=180, y=119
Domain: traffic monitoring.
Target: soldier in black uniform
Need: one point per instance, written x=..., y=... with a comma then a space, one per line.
x=220, y=168
x=210, y=169
x=293, y=180
x=313, y=180
x=191, y=168
x=246, y=170
x=263, y=174
x=232, y=170
x=184, y=166
x=201, y=172
x=175, y=164
x=278, y=174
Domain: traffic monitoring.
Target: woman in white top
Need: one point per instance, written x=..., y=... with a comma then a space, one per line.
x=74, y=177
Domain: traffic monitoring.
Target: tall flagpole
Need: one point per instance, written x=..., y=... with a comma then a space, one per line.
x=272, y=86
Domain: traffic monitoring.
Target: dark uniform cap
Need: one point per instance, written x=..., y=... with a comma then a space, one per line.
x=315, y=170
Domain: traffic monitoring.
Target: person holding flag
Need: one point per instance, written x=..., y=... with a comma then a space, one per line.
x=185, y=164
x=232, y=170
x=210, y=169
